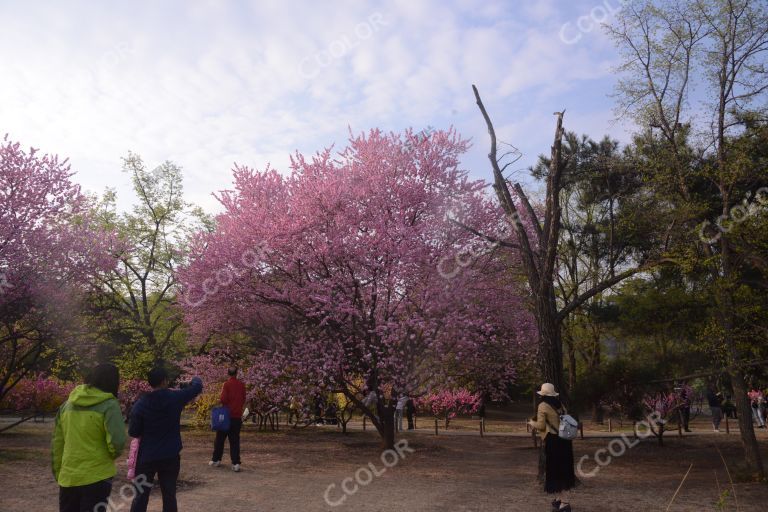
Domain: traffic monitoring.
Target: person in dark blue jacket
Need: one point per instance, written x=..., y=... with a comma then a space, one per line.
x=155, y=418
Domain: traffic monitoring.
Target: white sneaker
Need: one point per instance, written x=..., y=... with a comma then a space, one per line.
x=215, y=463
x=236, y=468
x=717, y=430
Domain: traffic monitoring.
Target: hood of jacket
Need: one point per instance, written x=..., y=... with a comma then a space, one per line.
x=87, y=396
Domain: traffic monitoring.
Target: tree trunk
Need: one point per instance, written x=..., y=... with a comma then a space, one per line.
x=748, y=439
x=550, y=352
x=385, y=425
x=727, y=312
x=387, y=433
x=571, y=367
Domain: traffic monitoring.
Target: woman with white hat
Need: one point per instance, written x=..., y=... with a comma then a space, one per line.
x=558, y=452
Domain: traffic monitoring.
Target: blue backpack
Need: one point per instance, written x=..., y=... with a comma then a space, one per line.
x=220, y=419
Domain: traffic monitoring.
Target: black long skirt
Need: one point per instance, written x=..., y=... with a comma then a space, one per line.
x=558, y=464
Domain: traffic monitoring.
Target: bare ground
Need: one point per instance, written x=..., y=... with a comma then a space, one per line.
x=291, y=470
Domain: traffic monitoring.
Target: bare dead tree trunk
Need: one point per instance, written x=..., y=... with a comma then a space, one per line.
x=539, y=255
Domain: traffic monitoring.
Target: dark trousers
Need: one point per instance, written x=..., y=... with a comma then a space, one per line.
x=409, y=416
x=558, y=464
x=85, y=498
x=167, y=471
x=685, y=417
x=233, y=434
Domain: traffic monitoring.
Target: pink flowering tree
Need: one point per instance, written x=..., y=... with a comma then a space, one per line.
x=130, y=392
x=49, y=248
x=274, y=383
x=212, y=370
x=210, y=367
x=446, y=404
x=355, y=250
x=37, y=394
x=661, y=407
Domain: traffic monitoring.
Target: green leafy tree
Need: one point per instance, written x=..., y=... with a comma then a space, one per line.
x=135, y=305
x=698, y=161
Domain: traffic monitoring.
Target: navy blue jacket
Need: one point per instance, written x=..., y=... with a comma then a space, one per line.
x=156, y=417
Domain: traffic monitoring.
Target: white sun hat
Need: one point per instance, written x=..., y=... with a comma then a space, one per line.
x=547, y=389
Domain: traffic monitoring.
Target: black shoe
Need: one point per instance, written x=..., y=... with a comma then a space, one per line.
x=555, y=505
x=565, y=507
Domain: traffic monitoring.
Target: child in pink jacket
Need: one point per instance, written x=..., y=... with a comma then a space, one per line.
x=133, y=455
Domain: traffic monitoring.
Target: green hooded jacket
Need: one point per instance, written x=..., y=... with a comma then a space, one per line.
x=89, y=435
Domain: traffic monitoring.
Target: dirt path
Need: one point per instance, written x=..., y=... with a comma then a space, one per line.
x=291, y=471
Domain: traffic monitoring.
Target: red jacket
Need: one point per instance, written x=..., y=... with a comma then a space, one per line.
x=233, y=397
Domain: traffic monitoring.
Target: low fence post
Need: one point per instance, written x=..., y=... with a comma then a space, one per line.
x=435, y=426
x=610, y=425
x=727, y=426
x=581, y=429
x=364, y=418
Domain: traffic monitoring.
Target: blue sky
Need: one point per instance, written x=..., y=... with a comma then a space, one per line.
x=206, y=84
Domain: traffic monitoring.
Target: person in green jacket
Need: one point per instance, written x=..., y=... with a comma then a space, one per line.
x=88, y=436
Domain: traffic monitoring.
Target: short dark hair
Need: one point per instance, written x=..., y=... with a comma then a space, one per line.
x=232, y=372
x=105, y=377
x=157, y=376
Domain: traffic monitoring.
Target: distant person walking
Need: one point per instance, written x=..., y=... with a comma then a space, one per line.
x=233, y=398
x=715, y=400
x=410, y=411
x=399, y=409
x=757, y=401
x=558, y=452
x=88, y=436
x=685, y=406
x=156, y=419
x=293, y=410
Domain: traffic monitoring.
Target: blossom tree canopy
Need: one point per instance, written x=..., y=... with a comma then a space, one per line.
x=49, y=246
x=352, y=248
x=448, y=403
x=37, y=393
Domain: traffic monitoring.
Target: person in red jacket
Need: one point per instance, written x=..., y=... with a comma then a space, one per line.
x=233, y=398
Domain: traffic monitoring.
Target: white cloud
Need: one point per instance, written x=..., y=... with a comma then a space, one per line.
x=206, y=84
